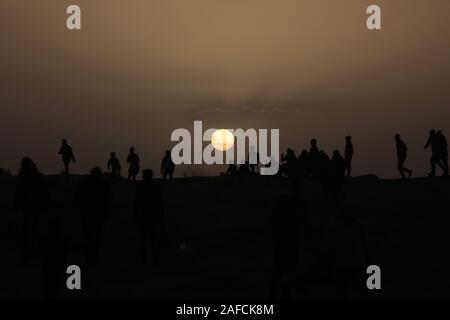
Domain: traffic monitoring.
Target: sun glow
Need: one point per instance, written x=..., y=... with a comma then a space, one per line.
x=222, y=139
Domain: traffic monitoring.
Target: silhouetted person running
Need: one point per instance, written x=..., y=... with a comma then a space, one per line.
x=134, y=167
x=67, y=155
x=348, y=155
x=402, y=154
x=167, y=166
x=93, y=197
x=442, y=151
x=149, y=213
x=31, y=199
x=114, y=165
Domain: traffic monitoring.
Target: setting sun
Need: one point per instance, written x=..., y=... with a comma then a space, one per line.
x=222, y=139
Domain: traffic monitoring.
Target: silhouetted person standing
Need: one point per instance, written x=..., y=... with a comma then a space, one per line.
x=31, y=199
x=402, y=154
x=314, y=159
x=149, y=212
x=167, y=166
x=134, y=166
x=314, y=149
x=442, y=151
x=93, y=198
x=114, y=165
x=67, y=155
x=348, y=155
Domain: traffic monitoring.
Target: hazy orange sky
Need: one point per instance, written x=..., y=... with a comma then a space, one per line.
x=139, y=69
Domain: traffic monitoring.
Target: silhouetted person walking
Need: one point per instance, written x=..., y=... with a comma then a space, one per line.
x=93, y=197
x=442, y=151
x=348, y=155
x=436, y=152
x=402, y=154
x=167, y=166
x=134, y=166
x=114, y=165
x=149, y=211
x=67, y=155
x=31, y=199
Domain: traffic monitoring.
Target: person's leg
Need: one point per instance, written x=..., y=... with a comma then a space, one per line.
x=349, y=169
x=433, y=166
x=444, y=160
x=400, y=167
x=66, y=168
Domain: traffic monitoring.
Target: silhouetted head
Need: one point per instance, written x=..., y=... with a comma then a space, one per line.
x=27, y=167
x=64, y=142
x=432, y=132
x=313, y=143
x=348, y=138
x=167, y=153
x=96, y=172
x=113, y=154
x=397, y=137
x=132, y=150
x=439, y=132
x=26, y=164
x=336, y=153
x=147, y=175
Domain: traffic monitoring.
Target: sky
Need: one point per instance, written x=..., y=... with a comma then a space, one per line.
x=140, y=69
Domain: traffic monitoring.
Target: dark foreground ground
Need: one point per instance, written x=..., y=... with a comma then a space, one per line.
x=221, y=244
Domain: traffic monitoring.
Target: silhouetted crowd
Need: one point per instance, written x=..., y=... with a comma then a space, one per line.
x=92, y=198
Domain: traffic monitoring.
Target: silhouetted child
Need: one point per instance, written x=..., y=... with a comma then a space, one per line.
x=402, y=154
x=114, y=165
x=31, y=199
x=348, y=155
x=67, y=155
x=134, y=166
x=149, y=214
x=167, y=166
x=93, y=197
